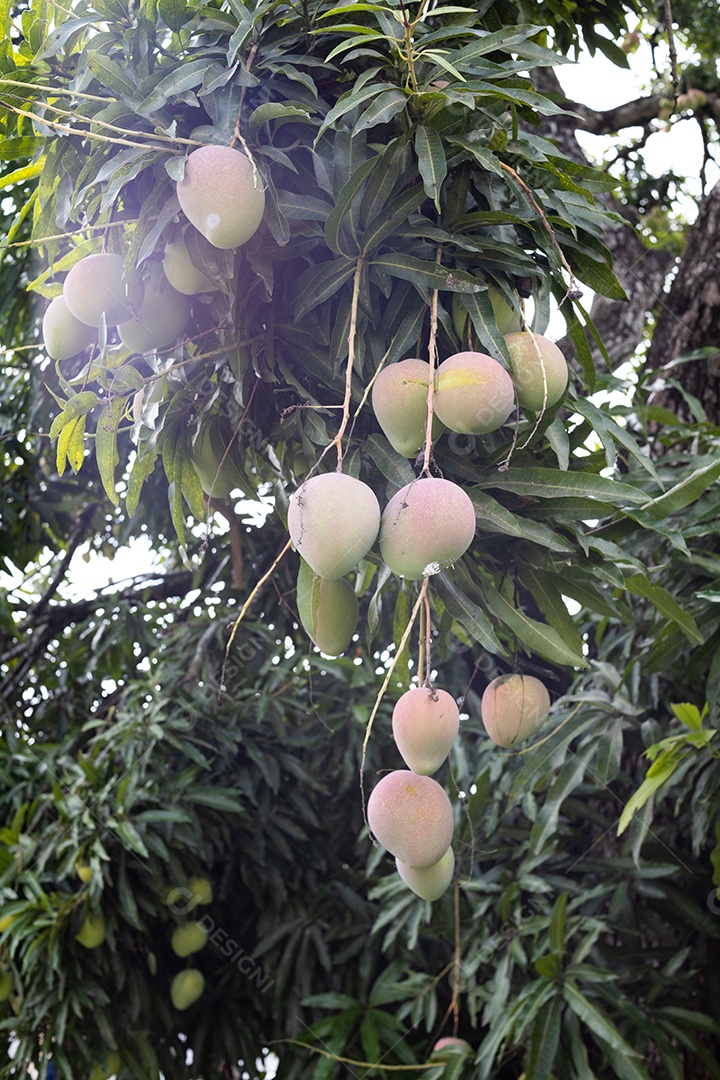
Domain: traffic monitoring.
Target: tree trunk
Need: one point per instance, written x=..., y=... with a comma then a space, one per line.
x=689, y=319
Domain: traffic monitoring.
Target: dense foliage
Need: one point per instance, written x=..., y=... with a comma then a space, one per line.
x=406, y=170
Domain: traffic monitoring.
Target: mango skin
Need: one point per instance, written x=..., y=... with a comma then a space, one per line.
x=188, y=939
x=201, y=889
x=527, y=370
x=399, y=400
x=182, y=273
x=218, y=196
x=430, y=882
x=186, y=988
x=328, y=610
x=214, y=467
x=426, y=527
x=95, y=286
x=64, y=335
x=159, y=321
x=451, y=1043
x=412, y=817
x=333, y=520
x=474, y=395
x=425, y=723
x=92, y=932
x=513, y=707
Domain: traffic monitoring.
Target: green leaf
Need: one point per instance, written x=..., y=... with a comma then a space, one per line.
x=544, y=1041
x=553, y=484
x=661, y=770
x=715, y=857
x=381, y=110
x=277, y=110
x=319, y=283
x=557, y=923
x=549, y=600
x=596, y=1021
x=344, y=206
x=347, y=102
x=110, y=75
x=537, y=637
x=396, y=213
x=431, y=162
x=174, y=13
x=684, y=493
x=666, y=604
x=142, y=466
x=492, y=516
x=106, y=445
x=471, y=617
x=424, y=272
x=688, y=714
x=598, y=275
x=20, y=147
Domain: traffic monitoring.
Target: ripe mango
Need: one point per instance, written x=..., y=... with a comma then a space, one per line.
x=182, y=273
x=429, y=882
x=474, y=395
x=220, y=196
x=513, y=707
x=188, y=939
x=412, y=817
x=425, y=722
x=95, y=286
x=92, y=932
x=399, y=400
x=529, y=354
x=64, y=335
x=426, y=527
x=333, y=520
x=328, y=610
x=159, y=321
x=186, y=988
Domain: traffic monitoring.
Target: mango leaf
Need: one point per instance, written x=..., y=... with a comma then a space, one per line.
x=661, y=770
x=684, y=493
x=688, y=714
x=544, y=1040
x=552, y=484
x=382, y=109
x=431, y=161
x=106, y=445
x=174, y=13
x=596, y=1021
x=549, y=600
x=537, y=637
x=424, y=272
x=666, y=604
x=471, y=617
x=71, y=445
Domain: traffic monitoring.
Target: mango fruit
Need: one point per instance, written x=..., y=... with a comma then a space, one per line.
x=513, y=707
x=399, y=400
x=83, y=871
x=159, y=321
x=333, y=520
x=474, y=394
x=95, y=286
x=328, y=609
x=212, y=461
x=64, y=335
x=220, y=195
x=425, y=723
x=426, y=527
x=186, y=988
x=182, y=273
x=529, y=354
x=92, y=931
x=201, y=890
x=188, y=939
x=430, y=882
x=411, y=816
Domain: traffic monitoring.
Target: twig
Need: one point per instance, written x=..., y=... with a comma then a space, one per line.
x=84, y=134
x=352, y=333
x=432, y=359
x=247, y=604
x=573, y=292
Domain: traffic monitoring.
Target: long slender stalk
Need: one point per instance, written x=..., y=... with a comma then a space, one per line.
x=352, y=334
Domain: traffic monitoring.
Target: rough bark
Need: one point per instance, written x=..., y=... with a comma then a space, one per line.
x=689, y=319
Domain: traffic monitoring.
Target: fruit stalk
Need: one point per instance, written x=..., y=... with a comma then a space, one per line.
x=352, y=334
